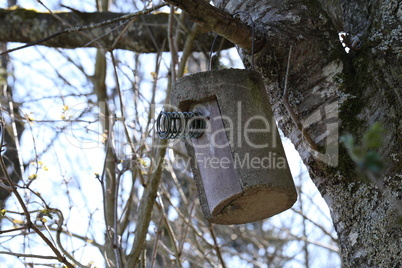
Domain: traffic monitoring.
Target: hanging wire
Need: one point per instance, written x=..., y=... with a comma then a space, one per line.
x=252, y=40
x=212, y=51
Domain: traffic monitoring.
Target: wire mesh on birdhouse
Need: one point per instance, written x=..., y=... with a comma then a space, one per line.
x=237, y=157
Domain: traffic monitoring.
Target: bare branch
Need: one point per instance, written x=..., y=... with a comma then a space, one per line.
x=146, y=205
x=13, y=230
x=216, y=245
x=27, y=215
x=119, y=19
x=218, y=21
x=27, y=26
x=22, y=255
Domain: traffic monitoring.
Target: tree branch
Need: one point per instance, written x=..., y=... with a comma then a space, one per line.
x=22, y=255
x=29, y=224
x=218, y=21
x=29, y=26
x=146, y=205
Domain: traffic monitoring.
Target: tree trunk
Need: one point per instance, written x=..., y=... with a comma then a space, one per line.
x=11, y=135
x=330, y=93
x=333, y=93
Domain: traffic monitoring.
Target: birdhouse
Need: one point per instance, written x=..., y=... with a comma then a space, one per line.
x=239, y=165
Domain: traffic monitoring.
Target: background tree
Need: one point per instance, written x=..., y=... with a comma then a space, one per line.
x=328, y=91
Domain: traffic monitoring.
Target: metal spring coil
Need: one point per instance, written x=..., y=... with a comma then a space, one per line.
x=180, y=125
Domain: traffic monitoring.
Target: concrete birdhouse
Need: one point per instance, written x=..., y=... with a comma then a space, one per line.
x=237, y=157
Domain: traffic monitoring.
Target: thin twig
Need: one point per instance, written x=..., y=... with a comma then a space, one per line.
x=116, y=77
x=304, y=224
x=27, y=215
x=316, y=225
x=151, y=110
x=316, y=243
x=158, y=234
x=62, y=20
x=116, y=238
x=216, y=246
x=58, y=239
x=125, y=29
x=170, y=231
x=186, y=219
x=186, y=229
x=21, y=255
x=103, y=35
x=2, y=185
x=127, y=211
x=13, y=230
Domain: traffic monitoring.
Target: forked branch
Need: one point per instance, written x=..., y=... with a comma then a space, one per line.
x=213, y=19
